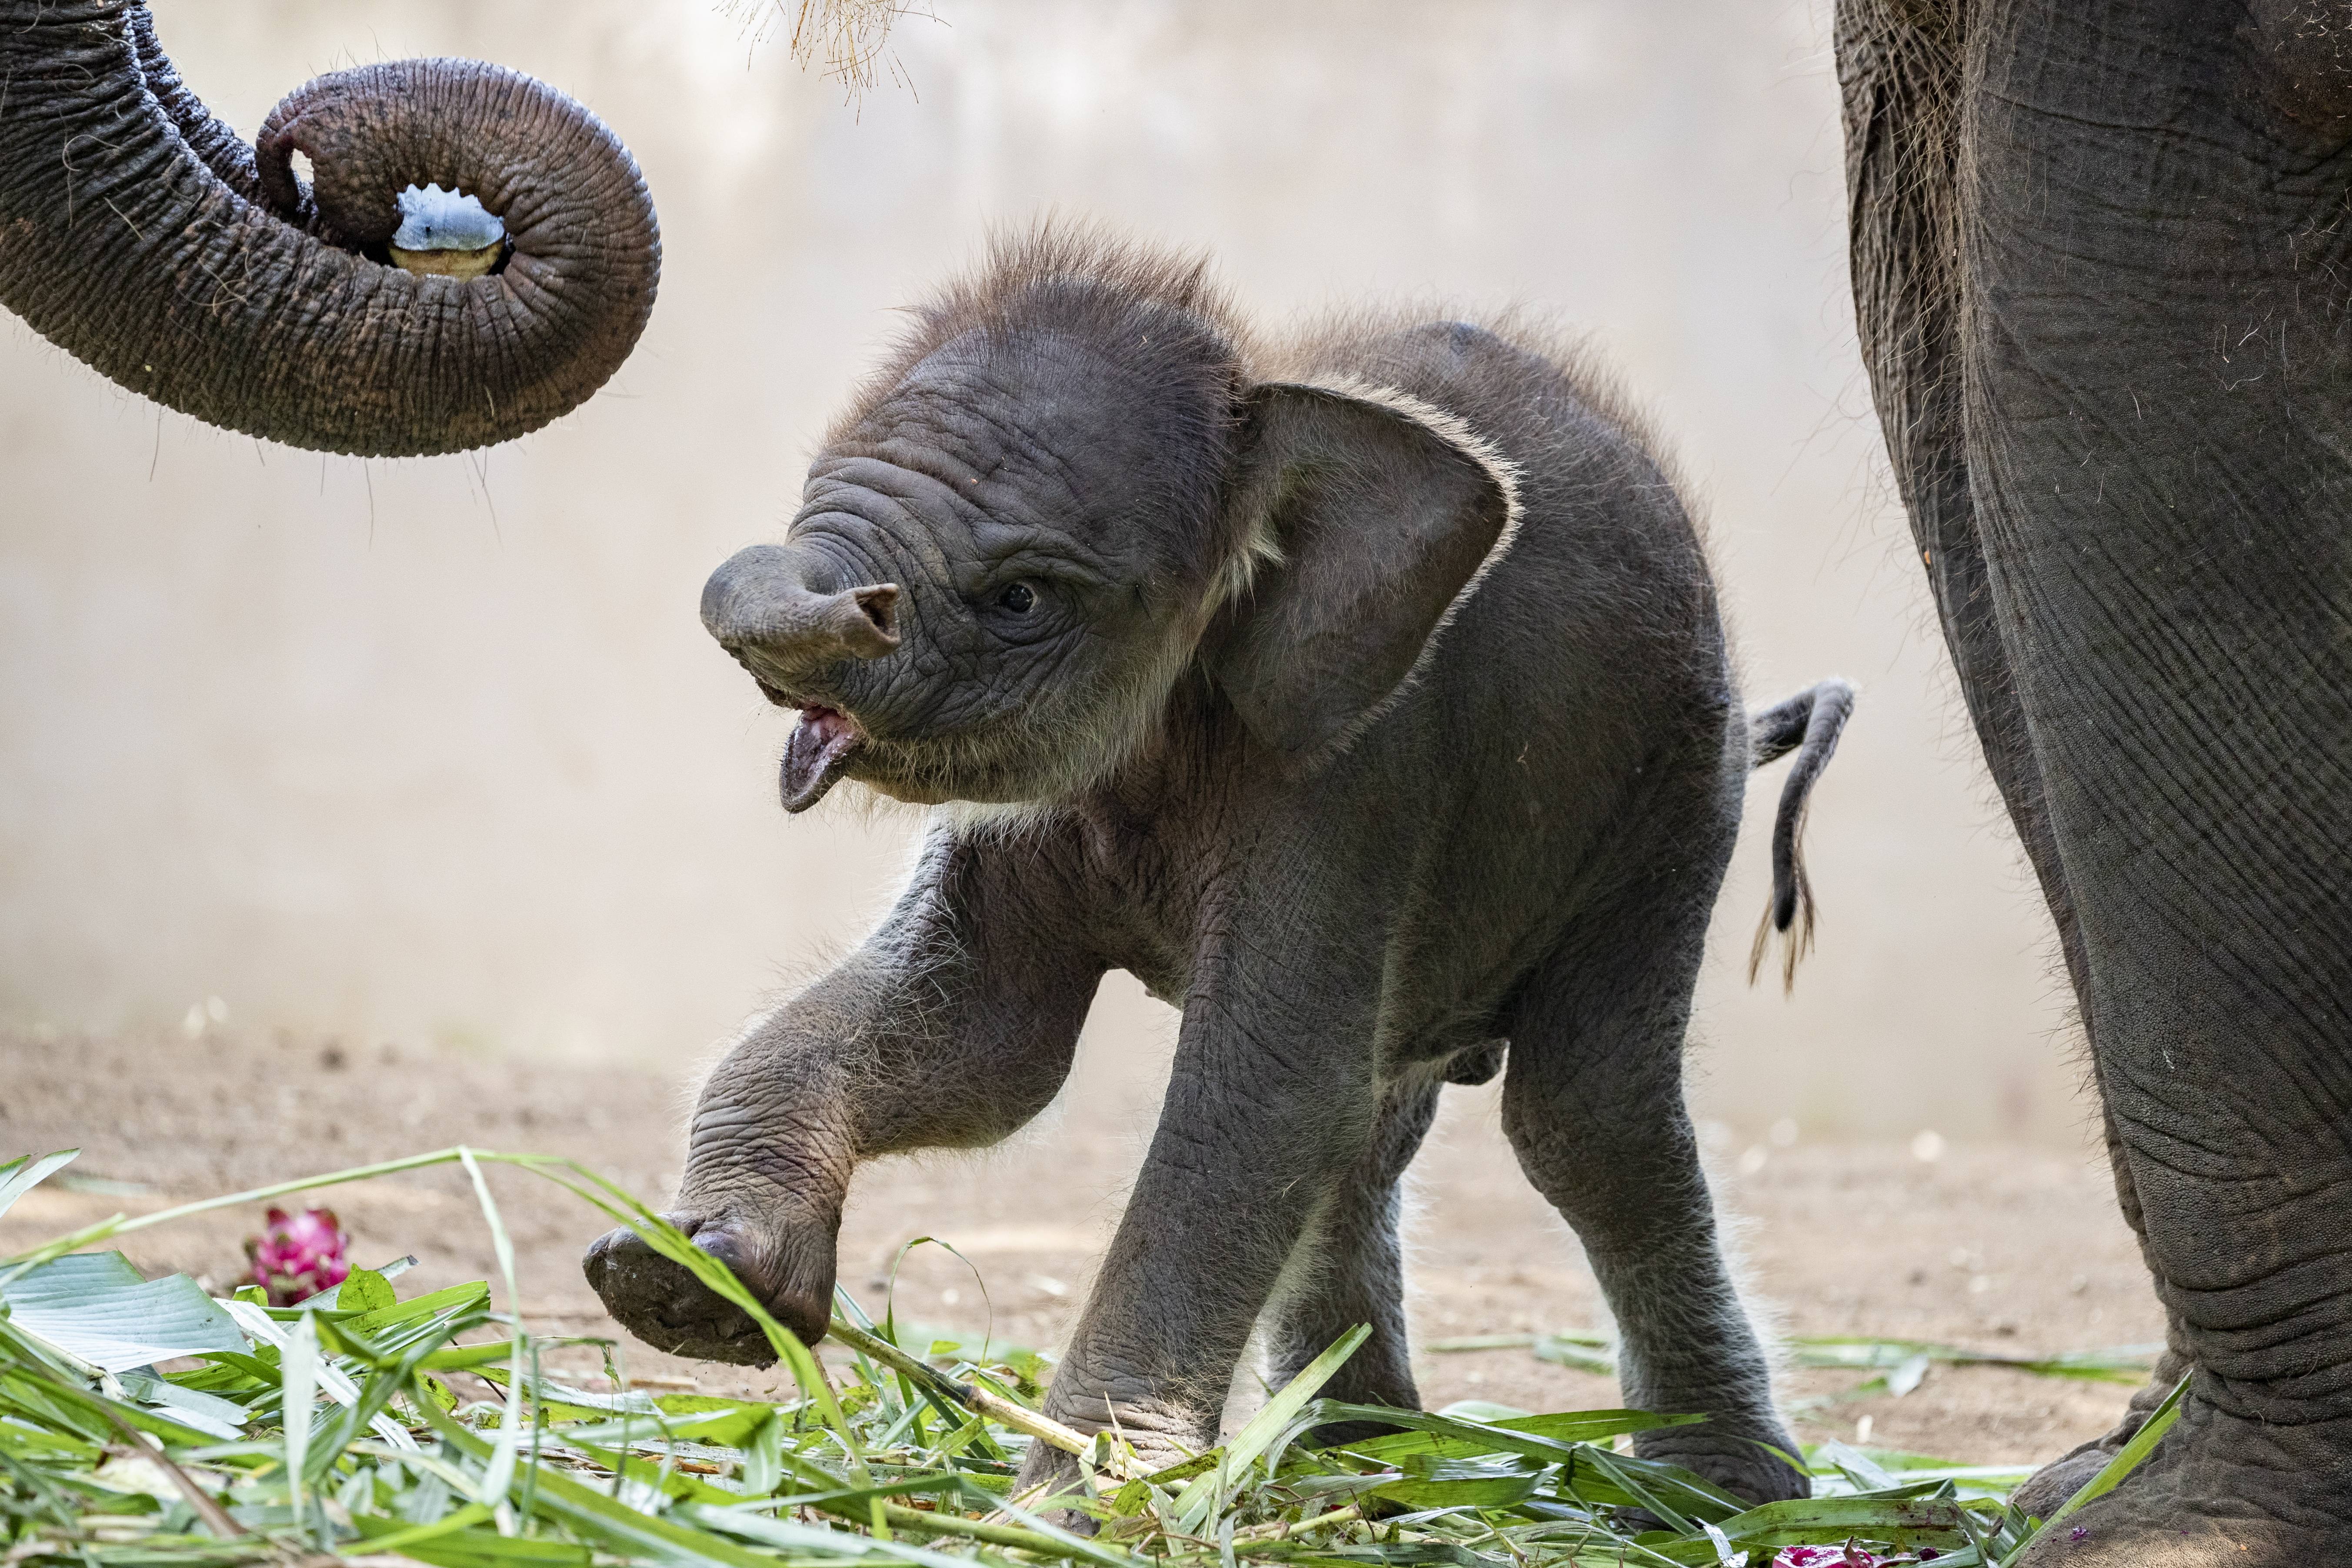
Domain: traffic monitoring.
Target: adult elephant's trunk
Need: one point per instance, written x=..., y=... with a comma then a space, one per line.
x=140, y=234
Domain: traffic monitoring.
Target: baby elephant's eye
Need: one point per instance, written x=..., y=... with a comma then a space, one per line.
x=1017, y=597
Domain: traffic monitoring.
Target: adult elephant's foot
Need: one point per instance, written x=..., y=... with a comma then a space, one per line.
x=2048, y=1487
x=788, y=1269
x=2047, y=1490
x=2217, y=1490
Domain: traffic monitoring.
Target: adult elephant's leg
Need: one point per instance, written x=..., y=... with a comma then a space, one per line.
x=1900, y=66
x=1593, y=1102
x=1349, y=1267
x=2160, y=414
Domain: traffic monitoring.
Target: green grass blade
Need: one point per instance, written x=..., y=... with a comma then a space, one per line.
x=1453, y=1436
x=1201, y=1493
x=2116, y=1364
x=120, y=1225
x=298, y=1364
x=787, y=1536
x=1826, y=1522
x=764, y=1463
x=499, y=1477
x=22, y=1174
x=400, y=1539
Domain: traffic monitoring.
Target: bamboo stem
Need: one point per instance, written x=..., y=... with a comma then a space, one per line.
x=1284, y=1532
x=207, y=1507
x=980, y=1401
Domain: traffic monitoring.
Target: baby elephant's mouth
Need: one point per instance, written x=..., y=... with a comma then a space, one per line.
x=820, y=746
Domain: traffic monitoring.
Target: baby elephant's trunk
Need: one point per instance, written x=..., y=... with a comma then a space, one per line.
x=1809, y=724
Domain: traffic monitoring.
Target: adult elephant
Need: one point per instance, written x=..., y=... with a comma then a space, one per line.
x=141, y=235
x=2103, y=263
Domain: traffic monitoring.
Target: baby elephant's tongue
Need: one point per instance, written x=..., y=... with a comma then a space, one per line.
x=820, y=743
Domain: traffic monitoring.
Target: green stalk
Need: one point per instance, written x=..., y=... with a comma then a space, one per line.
x=118, y=1225
x=973, y=1397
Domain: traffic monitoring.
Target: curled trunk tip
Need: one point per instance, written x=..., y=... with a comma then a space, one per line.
x=216, y=281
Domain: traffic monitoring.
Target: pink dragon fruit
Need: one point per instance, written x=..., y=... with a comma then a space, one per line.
x=297, y=1257
x=1846, y=1556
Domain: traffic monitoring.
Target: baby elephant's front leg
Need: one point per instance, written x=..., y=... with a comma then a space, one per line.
x=1267, y=1109
x=950, y=1028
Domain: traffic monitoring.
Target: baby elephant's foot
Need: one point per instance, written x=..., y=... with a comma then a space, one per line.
x=1159, y=1435
x=1734, y=1455
x=666, y=1306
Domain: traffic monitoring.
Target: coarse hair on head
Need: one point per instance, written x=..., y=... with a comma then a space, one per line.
x=1082, y=278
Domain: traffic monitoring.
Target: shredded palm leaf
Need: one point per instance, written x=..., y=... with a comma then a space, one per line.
x=337, y=1428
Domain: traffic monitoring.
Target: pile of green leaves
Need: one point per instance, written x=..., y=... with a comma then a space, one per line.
x=339, y=1427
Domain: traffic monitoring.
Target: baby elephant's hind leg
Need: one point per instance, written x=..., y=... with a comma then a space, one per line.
x=1592, y=1101
x=1349, y=1270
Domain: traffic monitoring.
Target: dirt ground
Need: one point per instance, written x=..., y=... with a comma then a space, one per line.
x=1999, y=1249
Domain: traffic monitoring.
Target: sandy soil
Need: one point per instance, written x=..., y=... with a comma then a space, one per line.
x=1993, y=1247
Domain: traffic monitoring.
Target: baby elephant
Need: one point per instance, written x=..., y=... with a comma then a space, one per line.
x=1363, y=693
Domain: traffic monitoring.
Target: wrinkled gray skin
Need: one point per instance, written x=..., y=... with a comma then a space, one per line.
x=1081, y=549
x=2101, y=258
x=141, y=236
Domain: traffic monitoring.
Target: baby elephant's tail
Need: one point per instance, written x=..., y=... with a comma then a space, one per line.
x=1808, y=724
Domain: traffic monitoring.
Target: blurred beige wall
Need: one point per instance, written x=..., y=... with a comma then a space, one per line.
x=437, y=750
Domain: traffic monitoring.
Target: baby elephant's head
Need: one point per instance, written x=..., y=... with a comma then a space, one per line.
x=1066, y=491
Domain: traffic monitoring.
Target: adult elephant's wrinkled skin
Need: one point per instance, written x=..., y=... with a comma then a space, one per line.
x=2103, y=261
x=1362, y=693
x=138, y=234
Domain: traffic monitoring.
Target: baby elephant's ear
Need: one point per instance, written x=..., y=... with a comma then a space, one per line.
x=1382, y=509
